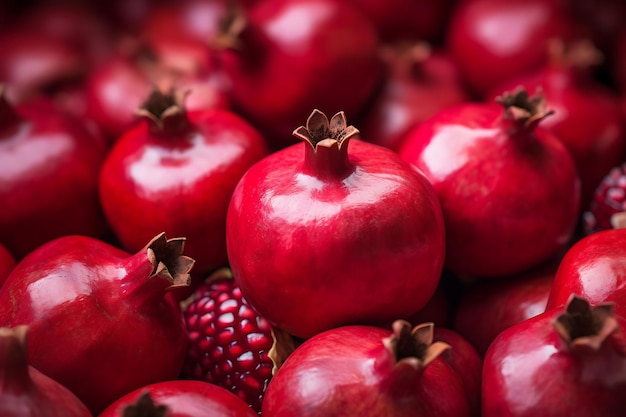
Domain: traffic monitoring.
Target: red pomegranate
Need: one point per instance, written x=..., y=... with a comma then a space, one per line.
x=370, y=372
x=559, y=363
x=495, y=40
x=594, y=268
x=587, y=115
x=509, y=189
x=177, y=398
x=100, y=320
x=419, y=82
x=334, y=231
x=26, y=392
x=49, y=165
x=184, y=162
x=285, y=57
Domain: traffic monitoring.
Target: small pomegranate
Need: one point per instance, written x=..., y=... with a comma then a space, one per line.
x=49, y=165
x=227, y=341
x=285, y=57
x=587, y=115
x=178, y=398
x=100, y=321
x=187, y=164
x=418, y=84
x=369, y=371
x=334, y=231
x=594, y=268
x=576, y=356
x=509, y=190
x=494, y=40
x=26, y=392
x=489, y=307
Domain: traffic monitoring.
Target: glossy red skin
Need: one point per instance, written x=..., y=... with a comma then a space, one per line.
x=311, y=252
x=26, y=392
x=495, y=40
x=297, y=56
x=114, y=90
x=7, y=263
x=186, y=399
x=49, y=165
x=489, y=307
x=189, y=175
x=97, y=323
x=595, y=269
x=509, y=202
x=32, y=62
x=587, y=118
x=398, y=20
x=348, y=371
x=409, y=96
x=463, y=358
x=529, y=371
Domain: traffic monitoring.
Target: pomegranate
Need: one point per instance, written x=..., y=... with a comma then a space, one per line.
x=49, y=165
x=495, y=40
x=228, y=342
x=594, y=268
x=33, y=63
x=489, y=307
x=185, y=163
x=576, y=356
x=179, y=399
x=509, y=190
x=320, y=235
x=26, y=392
x=285, y=57
x=419, y=83
x=100, y=321
x=370, y=371
x=587, y=114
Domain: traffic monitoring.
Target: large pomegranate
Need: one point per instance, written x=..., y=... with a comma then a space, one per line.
x=334, y=231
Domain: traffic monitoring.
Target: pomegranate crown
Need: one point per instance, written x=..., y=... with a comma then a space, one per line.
x=319, y=131
x=584, y=327
x=169, y=263
x=414, y=346
x=523, y=109
x=145, y=407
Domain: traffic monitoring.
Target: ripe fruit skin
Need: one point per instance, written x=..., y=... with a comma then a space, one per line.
x=495, y=40
x=488, y=307
x=180, y=399
x=187, y=164
x=356, y=371
x=594, y=268
x=7, y=263
x=509, y=190
x=99, y=320
x=531, y=370
x=336, y=234
x=49, y=166
x=26, y=392
x=296, y=55
x=228, y=342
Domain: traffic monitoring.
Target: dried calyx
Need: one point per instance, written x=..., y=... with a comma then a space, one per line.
x=169, y=263
x=414, y=346
x=165, y=111
x=583, y=327
x=321, y=132
x=581, y=54
x=230, y=28
x=522, y=109
x=145, y=407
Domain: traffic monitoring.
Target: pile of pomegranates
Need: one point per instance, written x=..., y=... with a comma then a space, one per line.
x=368, y=208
